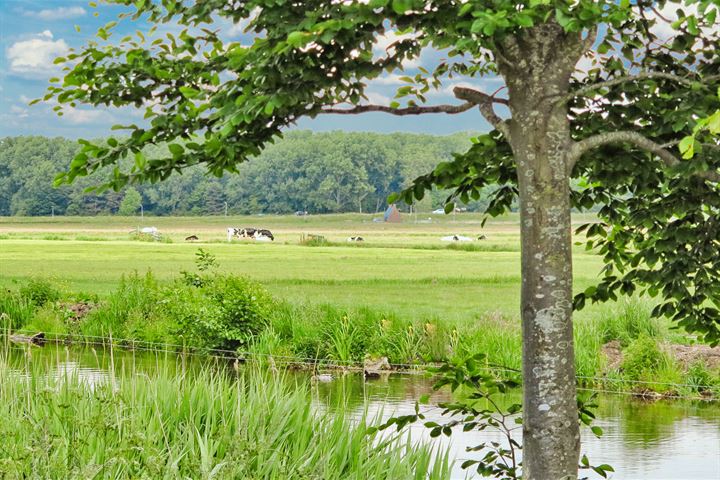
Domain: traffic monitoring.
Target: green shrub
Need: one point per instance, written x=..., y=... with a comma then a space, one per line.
x=225, y=312
x=346, y=335
x=700, y=379
x=641, y=358
x=39, y=291
x=299, y=326
x=314, y=241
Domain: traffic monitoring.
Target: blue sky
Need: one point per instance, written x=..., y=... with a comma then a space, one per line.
x=33, y=32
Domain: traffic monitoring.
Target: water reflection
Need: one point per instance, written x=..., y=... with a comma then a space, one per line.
x=643, y=440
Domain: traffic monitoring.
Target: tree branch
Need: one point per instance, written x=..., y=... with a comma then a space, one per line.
x=417, y=110
x=632, y=78
x=485, y=104
x=638, y=140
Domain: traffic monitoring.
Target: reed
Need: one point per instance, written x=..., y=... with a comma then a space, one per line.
x=174, y=425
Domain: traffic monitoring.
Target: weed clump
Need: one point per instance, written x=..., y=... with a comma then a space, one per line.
x=631, y=320
x=39, y=291
x=642, y=358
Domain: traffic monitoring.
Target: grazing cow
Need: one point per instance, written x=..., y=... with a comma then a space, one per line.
x=192, y=238
x=247, y=232
x=355, y=239
x=261, y=232
x=240, y=233
x=456, y=238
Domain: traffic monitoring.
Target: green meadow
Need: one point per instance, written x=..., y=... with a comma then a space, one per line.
x=404, y=268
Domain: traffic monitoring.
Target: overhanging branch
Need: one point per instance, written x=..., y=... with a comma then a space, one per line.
x=485, y=104
x=637, y=140
x=632, y=78
x=416, y=110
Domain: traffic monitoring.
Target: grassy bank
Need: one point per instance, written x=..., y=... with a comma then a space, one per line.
x=208, y=425
x=213, y=311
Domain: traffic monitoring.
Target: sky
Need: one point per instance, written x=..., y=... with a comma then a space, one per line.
x=34, y=32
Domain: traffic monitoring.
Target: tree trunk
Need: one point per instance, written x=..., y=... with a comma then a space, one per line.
x=540, y=139
x=551, y=435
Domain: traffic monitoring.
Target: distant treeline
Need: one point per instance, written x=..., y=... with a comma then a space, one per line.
x=305, y=171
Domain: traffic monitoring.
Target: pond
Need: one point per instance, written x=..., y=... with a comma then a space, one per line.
x=668, y=439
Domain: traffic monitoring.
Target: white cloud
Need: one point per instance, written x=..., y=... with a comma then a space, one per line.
x=82, y=117
x=378, y=98
x=60, y=13
x=390, y=79
x=18, y=112
x=34, y=57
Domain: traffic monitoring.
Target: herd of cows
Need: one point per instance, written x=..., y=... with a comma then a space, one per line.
x=265, y=235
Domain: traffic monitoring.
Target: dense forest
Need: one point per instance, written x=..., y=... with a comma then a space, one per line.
x=305, y=171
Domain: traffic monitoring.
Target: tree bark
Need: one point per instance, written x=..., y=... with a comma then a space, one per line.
x=543, y=61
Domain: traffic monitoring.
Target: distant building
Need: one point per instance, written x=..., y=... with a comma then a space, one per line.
x=392, y=214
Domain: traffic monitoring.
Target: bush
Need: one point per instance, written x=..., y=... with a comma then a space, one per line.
x=47, y=319
x=224, y=312
x=642, y=358
x=314, y=241
x=700, y=379
x=39, y=291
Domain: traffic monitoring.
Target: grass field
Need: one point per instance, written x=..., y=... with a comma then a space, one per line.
x=404, y=268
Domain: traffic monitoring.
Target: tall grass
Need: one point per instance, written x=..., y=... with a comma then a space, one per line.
x=628, y=320
x=141, y=309
x=16, y=311
x=207, y=425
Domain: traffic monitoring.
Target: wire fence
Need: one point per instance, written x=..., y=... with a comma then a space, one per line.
x=315, y=364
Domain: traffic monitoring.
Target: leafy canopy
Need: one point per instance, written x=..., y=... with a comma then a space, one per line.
x=651, y=69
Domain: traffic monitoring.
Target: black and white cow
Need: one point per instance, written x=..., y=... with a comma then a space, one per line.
x=247, y=232
x=355, y=239
x=262, y=232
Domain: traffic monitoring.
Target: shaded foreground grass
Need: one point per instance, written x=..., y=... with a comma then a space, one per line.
x=206, y=425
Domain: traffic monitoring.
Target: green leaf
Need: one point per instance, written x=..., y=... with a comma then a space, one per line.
x=189, y=93
x=401, y=6
x=687, y=147
x=298, y=39
x=176, y=150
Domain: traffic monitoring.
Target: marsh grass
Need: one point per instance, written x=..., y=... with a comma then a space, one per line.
x=143, y=309
x=628, y=320
x=207, y=425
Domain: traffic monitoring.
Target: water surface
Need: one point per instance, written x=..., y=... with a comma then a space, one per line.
x=668, y=439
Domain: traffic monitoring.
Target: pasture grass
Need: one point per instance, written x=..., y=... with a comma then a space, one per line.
x=210, y=424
